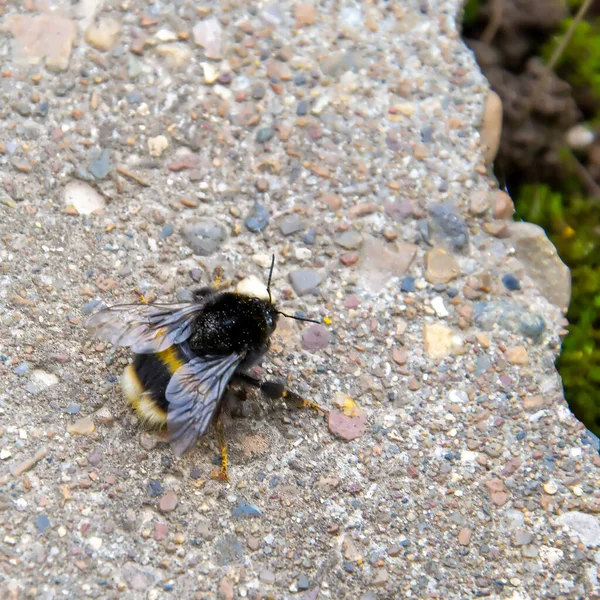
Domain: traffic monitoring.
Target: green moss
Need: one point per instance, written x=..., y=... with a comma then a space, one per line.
x=572, y=222
x=579, y=64
x=470, y=11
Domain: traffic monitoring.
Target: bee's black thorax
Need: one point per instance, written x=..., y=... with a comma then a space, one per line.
x=232, y=323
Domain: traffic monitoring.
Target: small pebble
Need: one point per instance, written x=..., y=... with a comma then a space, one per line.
x=166, y=231
x=155, y=488
x=407, y=284
x=83, y=426
x=101, y=166
x=350, y=240
x=259, y=219
x=42, y=523
x=264, y=135
x=305, y=281
x=168, y=503
x=315, y=337
x=347, y=428
x=244, y=509
x=511, y=282
x=303, y=582
x=290, y=224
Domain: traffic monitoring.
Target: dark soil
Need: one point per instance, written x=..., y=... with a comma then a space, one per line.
x=539, y=107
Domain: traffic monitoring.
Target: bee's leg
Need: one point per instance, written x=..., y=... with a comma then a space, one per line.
x=218, y=282
x=141, y=296
x=222, y=442
x=275, y=391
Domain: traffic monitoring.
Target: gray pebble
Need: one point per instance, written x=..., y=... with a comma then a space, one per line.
x=510, y=317
x=135, y=98
x=264, y=135
x=349, y=239
x=22, y=108
x=166, y=231
x=259, y=220
x=309, y=237
x=267, y=576
x=449, y=228
x=42, y=523
x=482, y=365
x=101, y=165
x=244, y=509
x=258, y=91
x=88, y=307
x=302, y=582
x=302, y=108
x=204, y=236
x=184, y=295
x=407, y=284
x=95, y=457
x=289, y=224
x=21, y=369
x=305, y=280
x=522, y=538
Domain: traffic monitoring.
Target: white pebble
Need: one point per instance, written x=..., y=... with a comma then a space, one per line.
x=438, y=305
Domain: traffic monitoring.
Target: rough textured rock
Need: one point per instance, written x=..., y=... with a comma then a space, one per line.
x=542, y=263
x=453, y=467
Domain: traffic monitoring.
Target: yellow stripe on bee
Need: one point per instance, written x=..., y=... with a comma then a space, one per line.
x=141, y=400
x=149, y=412
x=132, y=386
x=171, y=359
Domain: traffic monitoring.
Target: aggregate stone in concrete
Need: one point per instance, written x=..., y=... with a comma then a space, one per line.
x=124, y=124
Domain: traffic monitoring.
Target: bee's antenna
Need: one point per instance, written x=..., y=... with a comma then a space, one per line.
x=269, y=280
x=298, y=318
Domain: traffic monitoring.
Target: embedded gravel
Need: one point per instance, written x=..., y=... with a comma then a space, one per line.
x=145, y=144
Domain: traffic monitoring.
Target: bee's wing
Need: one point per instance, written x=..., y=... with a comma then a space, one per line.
x=194, y=393
x=146, y=328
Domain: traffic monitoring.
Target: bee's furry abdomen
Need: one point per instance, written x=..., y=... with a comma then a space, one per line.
x=145, y=381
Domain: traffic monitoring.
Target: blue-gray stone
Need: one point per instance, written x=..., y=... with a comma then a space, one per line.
x=302, y=108
x=407, y=284
x=184, y=295
x=510, y=317
x=155, y=488
x=166, y=231
x=42, y=523
x=427, y=134
x=449, y=229
x=88, y=307
x=243, y=509
x=259, y=220
x=309, y=237
x=101, y=165
x=21, y=369
x=73, y=408
x=302, y=582
x=264, y=134
x=511, y=282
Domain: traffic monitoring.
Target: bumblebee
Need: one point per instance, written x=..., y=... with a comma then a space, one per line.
x=186, y=355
